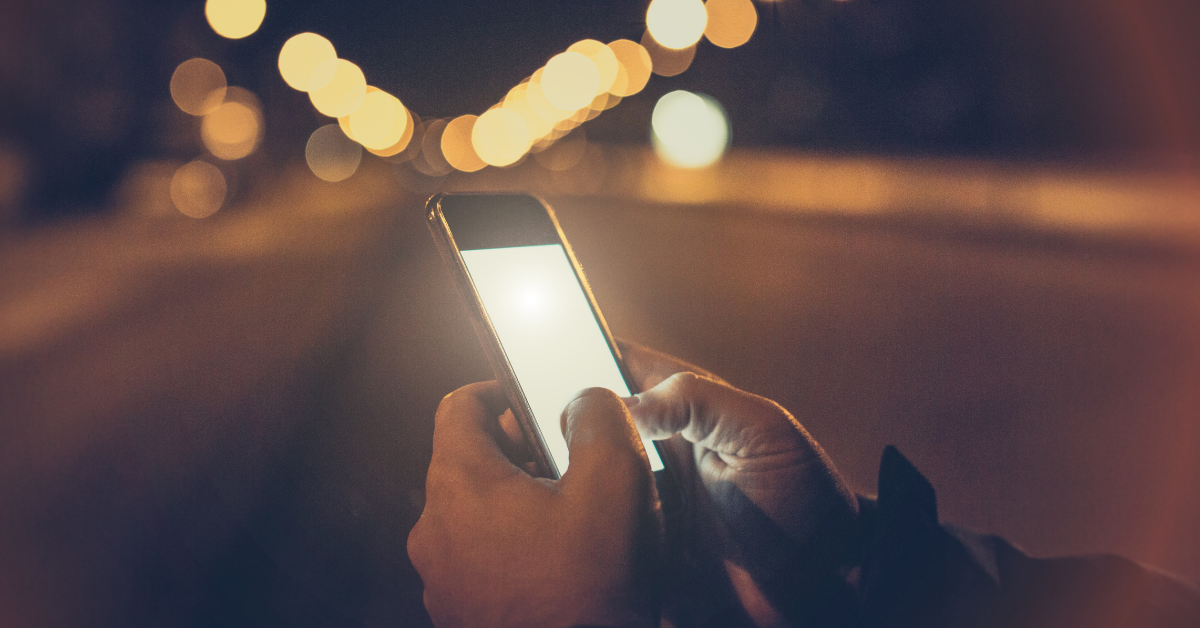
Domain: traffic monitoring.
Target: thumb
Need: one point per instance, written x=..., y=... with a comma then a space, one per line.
x=606, y=453
x=718, y=417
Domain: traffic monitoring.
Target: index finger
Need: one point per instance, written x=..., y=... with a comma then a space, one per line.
x=463, y=432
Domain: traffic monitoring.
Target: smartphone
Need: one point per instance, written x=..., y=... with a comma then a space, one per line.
x=530, y=304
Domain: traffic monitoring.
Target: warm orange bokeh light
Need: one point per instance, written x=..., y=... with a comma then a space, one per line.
x=230, y=131
x=570, y=81
x=540, y=104
x=666, y=61
x=517, y=101
x=235, y=128
x=344, y=92
x=344, y=125
x=602, y=57
x=198, y=189
x=410, y=126
x=344, y=121
x=331, y=155
x=604, y=102
x=300, y=57
x=379, y=122
x=676, y=24
x=730, y=22
x=235, y=19
x=198, y=86
x=634, y=67
x=456, y=144
x=430, y=160
x=500, y=137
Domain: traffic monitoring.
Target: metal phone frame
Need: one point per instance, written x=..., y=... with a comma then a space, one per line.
x=443, y=237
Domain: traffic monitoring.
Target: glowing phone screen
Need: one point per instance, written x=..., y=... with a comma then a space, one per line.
x=548, y=333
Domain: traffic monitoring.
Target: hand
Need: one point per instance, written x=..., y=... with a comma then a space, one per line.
x=756, y=487
x=497, y=547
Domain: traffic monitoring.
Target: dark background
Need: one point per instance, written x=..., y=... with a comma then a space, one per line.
x=1093, y=81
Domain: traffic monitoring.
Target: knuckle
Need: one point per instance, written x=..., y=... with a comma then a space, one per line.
x=444, y=409
x=417, y=545
x=684, y=382
x=441, y=483
x=462, y=395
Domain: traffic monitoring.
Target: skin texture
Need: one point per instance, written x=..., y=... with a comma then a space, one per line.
x=762, y=507
x=497, y=547
x=762, y=499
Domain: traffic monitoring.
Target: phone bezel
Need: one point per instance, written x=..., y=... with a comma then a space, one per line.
x=448, y=248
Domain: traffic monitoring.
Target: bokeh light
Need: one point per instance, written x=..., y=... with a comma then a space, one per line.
x=598, y=105
x=634, y=67
x=604, y=102
x=730, y=22
x=689, y=130
x=565, y=153
x=570, y=81
x=344, y=92
x=300, y=57
x=403, y=142
x=331, y=155
x=667, y=61
x=517, y=101
x=198, y=86
x=409, y=144
x=379, y=122
x=500, y=136
x=456, y=144
x=198, y=189
x=430, y=160
x=676, y=23
x=232, y=130
x=235, y=19
x=602, y=57
x=344, y=125
x=540, y=104
x=322, y=74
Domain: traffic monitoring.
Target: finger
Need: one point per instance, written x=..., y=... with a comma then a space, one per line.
x=606, y=451
x=648, y=367
x=512, y=431
x=463, y=430
x=512, y=441
x=716, y=416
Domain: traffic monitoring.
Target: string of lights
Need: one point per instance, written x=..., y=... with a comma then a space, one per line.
x=573, y=87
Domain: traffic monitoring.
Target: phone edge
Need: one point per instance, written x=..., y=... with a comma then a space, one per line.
x=486, y=333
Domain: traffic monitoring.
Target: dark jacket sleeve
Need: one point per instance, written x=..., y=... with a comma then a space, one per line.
x=918, y=572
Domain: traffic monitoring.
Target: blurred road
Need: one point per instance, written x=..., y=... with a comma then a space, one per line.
x=228, y=421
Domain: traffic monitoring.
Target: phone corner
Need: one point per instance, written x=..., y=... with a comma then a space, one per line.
x=433, y=206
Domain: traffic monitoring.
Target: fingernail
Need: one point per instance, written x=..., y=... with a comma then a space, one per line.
x=631, y=401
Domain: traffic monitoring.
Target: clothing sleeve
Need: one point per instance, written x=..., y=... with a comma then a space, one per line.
x=916, y=571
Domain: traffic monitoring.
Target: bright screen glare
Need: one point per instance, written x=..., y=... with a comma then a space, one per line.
x=548, y=333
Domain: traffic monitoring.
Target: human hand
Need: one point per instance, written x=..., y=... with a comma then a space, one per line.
x=756, y=486
x=497, y=547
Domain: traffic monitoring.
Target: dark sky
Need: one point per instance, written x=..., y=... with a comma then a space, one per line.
x=83, y=82
x=1019, y=78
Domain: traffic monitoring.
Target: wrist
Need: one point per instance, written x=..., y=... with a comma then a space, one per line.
x=812, y=584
